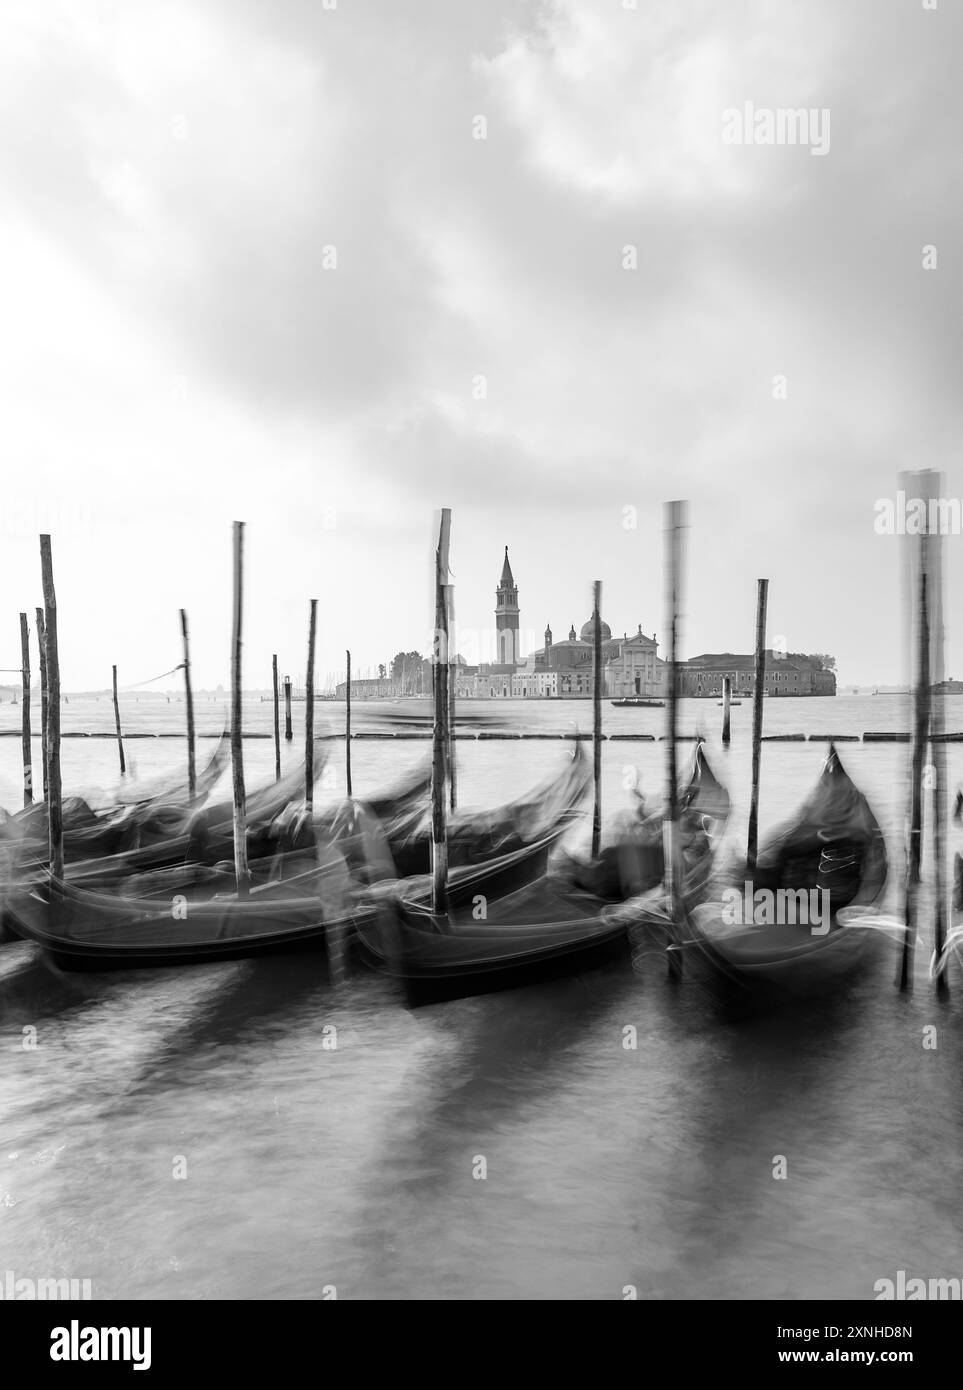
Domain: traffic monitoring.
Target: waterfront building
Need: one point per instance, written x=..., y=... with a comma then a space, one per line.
x=534, y=683
x=491, y=683
x=786, y=674
x=368, y=689
x=465, y=679
x=636, y=668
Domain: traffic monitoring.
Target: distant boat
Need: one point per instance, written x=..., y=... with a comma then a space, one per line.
x=637, y=702
x=731, y=702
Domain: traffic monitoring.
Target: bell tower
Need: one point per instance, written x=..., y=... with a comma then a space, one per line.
x=506, y=617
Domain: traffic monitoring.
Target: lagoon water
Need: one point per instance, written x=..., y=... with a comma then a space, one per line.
x=308, y=1166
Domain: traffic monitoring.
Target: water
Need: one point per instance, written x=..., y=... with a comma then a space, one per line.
x=310, y=1166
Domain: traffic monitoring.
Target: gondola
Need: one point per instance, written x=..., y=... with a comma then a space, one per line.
x=171, y=791
x=953, y=945
x=157, y=873
x=356, y=825
x=173, y=837
x=494, y=853
x=497, y=877
x=546, y=925
x=632, y=862
x=82, y=929
x=411, y=790
x=288, y=846
x=527, y=826
x=210, y=830
x=133, y=804
x=539, y=928
x=826, y=865
x=148, y=821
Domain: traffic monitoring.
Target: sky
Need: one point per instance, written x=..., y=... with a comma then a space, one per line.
x=257, y=263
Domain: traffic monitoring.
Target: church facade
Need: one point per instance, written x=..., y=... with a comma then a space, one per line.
x=565, y=669
x=630, y=665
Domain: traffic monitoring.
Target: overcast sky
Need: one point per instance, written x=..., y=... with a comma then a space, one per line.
x=178, y=350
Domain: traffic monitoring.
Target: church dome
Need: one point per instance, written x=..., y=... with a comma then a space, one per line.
x=588, y=631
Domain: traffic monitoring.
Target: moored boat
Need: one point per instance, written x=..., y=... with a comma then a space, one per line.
x=82, y=928
x=529, y=825
x=541, y=927
x=485, y=941
x=631, y=860
x=798, y=922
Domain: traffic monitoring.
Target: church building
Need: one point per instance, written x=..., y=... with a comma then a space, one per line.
x=630, y=665
x=495, y=678
x=506, y=617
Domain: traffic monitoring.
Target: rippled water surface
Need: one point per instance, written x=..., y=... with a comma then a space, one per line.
x=309, y=1165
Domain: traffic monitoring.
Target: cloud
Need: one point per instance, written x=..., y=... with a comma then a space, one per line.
x=173, y=175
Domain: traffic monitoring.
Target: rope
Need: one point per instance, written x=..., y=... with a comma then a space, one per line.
x=18, y=670
x=138, y=684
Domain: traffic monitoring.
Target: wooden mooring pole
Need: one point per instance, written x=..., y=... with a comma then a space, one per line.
x=189, y=701
x=288, y=731
x=921, y=723
x=440, y=739
x=55, y=821
x=726, y=698
x=42, y=647
x=597, y=720
x=452, y=773
x=762, y=599
x=675, y=522
x=120, y=741
x=347, y=724
x=933, y=551
x=241, y=870
x=938, y=811
x=25, y=711
x=309, y=710
x=922, y=590
x=277, y=719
